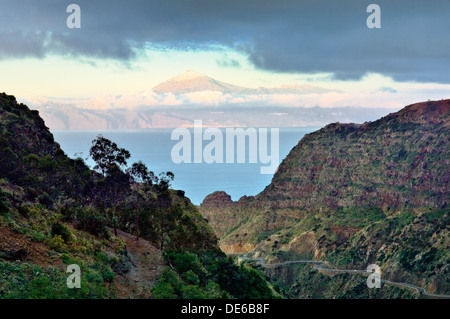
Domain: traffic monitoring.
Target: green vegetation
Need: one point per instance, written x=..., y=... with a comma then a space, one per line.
x=28, y=281
x=61, y=230
x=55, y=211
x=208, y=275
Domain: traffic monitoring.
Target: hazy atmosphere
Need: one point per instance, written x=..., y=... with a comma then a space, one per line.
x=289, y=54
x=233, y=156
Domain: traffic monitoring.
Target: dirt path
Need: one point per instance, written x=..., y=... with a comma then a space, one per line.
x=146, y=263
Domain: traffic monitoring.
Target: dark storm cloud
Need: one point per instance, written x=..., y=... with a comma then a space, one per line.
x=286, y=36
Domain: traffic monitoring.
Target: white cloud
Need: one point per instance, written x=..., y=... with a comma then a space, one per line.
x=383, y=97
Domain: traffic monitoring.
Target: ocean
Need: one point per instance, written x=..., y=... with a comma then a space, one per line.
x=154, y=148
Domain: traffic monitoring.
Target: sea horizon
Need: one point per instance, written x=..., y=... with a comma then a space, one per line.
x=153, y=147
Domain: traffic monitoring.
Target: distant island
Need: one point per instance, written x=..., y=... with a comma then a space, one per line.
x=196, y=96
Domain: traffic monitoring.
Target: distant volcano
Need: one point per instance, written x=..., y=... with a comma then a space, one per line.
x=191, y=81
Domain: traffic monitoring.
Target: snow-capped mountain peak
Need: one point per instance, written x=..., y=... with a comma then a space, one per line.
x=188, y=75
x=191, y=81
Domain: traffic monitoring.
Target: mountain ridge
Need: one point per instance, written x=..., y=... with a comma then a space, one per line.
x=352, y=195
x=191, y=82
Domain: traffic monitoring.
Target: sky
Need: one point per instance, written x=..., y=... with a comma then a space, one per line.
x=127, y=47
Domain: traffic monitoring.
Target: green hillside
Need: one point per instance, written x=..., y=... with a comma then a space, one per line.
x=131, y=235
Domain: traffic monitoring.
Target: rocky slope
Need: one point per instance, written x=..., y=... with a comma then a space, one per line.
x=61, y=116
x=355, y=194
x=394, y=162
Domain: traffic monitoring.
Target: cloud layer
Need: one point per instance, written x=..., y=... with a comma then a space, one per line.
x=285, y=36
x=215, y=100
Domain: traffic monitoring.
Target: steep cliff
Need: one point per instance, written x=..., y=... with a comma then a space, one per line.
x=355, y=194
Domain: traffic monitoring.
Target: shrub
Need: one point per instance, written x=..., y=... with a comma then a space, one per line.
x=45, y=199
x=163, y=290
x=170, y=276
x=90, y=220
x=4, y=204
x=407, y=257
x=193, y=292
x=191, y=277
x=59, y=229
x=57, y=243
x=184, y=262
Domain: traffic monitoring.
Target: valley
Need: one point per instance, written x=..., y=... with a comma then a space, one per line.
x=347, y=196
x=352, y=195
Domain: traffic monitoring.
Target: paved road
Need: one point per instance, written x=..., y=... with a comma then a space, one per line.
x=261, y=261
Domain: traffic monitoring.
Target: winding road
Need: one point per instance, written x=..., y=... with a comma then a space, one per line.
x=319, y=265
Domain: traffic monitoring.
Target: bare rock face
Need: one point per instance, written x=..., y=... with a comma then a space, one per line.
x=238, y=248
x=218, y=209
x=217, y=199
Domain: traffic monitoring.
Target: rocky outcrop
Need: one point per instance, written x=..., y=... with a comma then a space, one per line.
x=217, y=199
x=393, y=163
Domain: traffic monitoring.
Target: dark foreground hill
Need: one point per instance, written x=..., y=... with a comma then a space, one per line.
x=353, y=195
x=123, y=233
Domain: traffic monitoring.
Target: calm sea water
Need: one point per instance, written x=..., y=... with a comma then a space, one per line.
x=154, y=146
